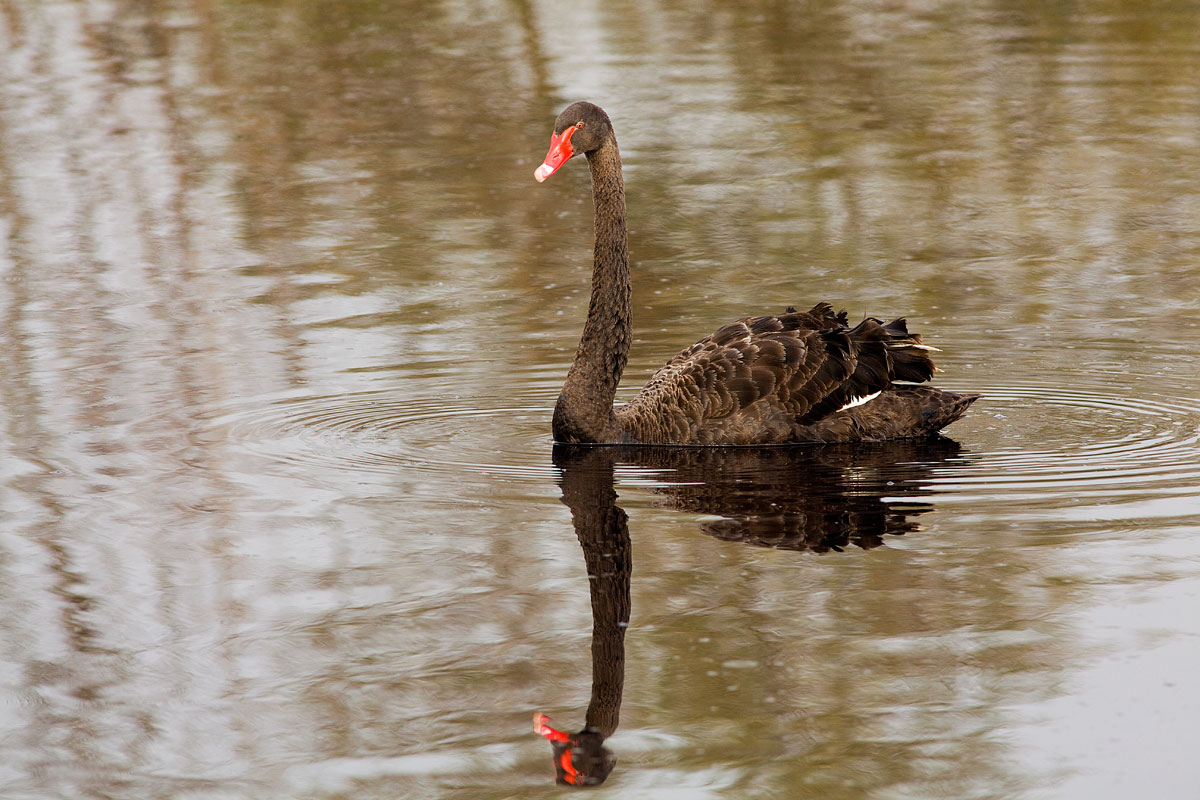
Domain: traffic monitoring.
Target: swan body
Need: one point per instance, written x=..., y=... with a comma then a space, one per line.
x=799, y=376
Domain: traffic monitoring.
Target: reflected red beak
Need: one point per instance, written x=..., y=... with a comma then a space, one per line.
x=540, y=720
x=560, y=151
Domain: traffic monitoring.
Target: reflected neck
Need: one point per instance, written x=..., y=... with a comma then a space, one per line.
x=603, y=532
x=584, y=412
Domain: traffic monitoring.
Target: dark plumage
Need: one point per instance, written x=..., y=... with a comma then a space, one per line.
x=796, y=377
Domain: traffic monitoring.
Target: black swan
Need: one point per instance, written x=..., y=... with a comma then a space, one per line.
x=801, y=376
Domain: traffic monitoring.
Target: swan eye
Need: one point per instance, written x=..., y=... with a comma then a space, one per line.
x=578, y=125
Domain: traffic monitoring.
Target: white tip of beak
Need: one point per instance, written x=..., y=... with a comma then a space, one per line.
x=544, y=171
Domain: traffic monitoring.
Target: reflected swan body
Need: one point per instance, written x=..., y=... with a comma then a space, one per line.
x=800, y=376
x=817, y=500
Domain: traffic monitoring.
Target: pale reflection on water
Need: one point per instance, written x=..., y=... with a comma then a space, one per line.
x=282, y=316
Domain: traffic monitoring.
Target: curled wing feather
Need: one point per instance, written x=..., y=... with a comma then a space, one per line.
x=763, y=379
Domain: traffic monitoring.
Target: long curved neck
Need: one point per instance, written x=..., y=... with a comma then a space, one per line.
x=584, y=412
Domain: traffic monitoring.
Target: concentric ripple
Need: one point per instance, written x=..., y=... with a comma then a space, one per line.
x=1080, y=453
x=1049, y=452
x=382, y=432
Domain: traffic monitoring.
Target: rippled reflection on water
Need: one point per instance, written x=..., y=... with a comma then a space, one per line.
x=1099, y=455
x=1071, y=452
x=282, y=319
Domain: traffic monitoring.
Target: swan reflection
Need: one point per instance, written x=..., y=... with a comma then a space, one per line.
x=818, y=499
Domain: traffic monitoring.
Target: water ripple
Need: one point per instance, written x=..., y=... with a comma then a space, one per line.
x=1089, y=453
x=383, y=432
x=1082, y=453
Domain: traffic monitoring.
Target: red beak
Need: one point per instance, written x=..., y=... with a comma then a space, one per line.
x=560, y=151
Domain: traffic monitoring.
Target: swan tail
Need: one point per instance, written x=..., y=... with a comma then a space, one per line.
x=902, y=412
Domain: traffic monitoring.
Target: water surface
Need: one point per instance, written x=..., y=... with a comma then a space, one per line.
x=283, y=316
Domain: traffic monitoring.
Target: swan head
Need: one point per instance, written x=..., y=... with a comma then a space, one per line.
x=580, y=128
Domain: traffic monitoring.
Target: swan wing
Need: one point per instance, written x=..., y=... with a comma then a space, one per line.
x=764, y=379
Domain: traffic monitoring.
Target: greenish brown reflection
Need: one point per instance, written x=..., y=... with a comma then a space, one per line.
x=814, y=499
